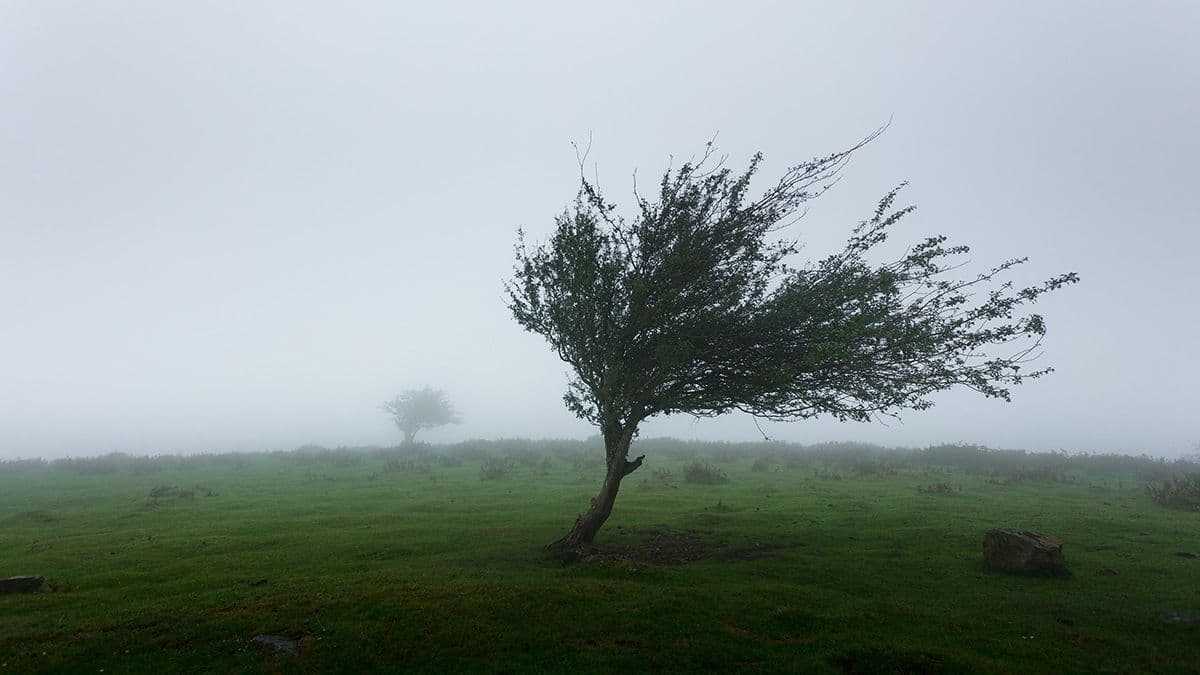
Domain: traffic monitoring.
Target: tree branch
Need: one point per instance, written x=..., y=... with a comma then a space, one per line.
x=630, y=467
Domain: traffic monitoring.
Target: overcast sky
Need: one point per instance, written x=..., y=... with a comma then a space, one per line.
x=241, y=225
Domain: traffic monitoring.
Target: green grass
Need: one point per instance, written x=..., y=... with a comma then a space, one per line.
x=802, y=568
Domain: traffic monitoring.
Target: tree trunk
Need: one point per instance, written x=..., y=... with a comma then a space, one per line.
x=409, y=435
x=578, y=541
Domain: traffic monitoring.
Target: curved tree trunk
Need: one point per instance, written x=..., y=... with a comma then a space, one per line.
x=578, y=541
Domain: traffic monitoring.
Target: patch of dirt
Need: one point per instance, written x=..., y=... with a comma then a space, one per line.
x=756, y=552
x=734, y=628
x=592, y=644
x=662, y=547
x=890, y=660
x=669, y=547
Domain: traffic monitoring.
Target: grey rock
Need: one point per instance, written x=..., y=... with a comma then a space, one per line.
x=276, y=643
x=1176, y=617
x=1022, y=551
x=20, y=584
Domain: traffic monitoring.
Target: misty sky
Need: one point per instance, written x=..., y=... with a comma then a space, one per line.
x=241, y=225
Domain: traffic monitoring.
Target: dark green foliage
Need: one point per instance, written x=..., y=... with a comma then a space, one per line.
x=1177, y=493
x=692, y=306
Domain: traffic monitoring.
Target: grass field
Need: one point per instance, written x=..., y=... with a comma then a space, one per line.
x=436, y=562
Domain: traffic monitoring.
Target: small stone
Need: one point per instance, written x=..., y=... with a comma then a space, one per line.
x=1106, y=572
x=259, y=582
x=22, y=584
x=1187, y=554
x=1176, y=617
x=276, y=643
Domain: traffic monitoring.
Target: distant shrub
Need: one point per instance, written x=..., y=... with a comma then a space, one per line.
x=169, y=493
x=145, y=465
x=873, y=466
x=14, y=465
x=936, y=489
x=161, y=491
x=493, y=468
x=401, y=465
x=661, y=477
x=672, y=448
x=704, y=473
x=450, y=461
x=825, y=474
x=92, y=466
x=1044, y=474
x=586, y=461
x=1177, y=493
x=797, y=461
x=468, y=451
x=523, y=457
x=765, y=463
x=343, y=458
x=728, y=453
x=306, y=455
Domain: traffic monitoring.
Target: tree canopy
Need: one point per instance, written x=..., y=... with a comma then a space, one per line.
x=417, y=409
x=696, y=305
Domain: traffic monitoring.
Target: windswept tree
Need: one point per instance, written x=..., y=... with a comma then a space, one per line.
x=418, y=409
x=694, y=305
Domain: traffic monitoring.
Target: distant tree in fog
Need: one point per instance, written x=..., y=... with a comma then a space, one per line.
x=418, y=409
x=694, y=306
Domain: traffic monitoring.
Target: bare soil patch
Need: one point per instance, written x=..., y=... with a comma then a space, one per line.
x=668, y=547
x=756, y=552
x=662, y=547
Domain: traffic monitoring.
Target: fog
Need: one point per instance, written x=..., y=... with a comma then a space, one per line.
x=242, y=226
